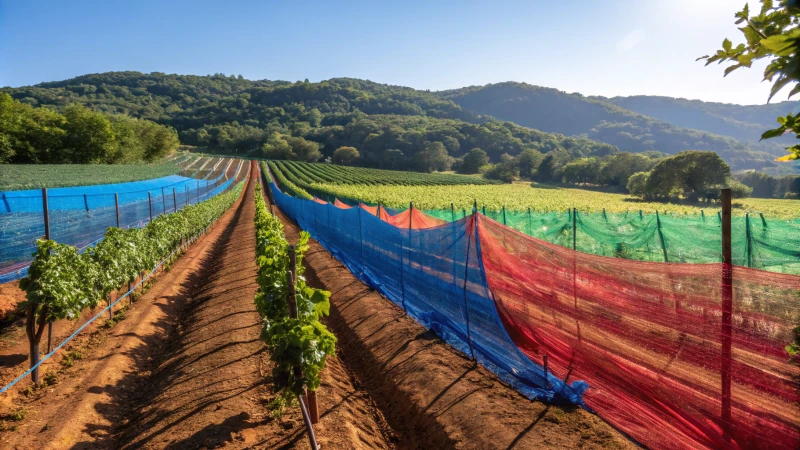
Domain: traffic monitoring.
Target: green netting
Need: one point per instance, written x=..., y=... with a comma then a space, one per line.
x=770, y=245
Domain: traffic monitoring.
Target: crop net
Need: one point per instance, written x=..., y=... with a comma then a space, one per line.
x=80, y=215
x=676, y=355
x=757, y=242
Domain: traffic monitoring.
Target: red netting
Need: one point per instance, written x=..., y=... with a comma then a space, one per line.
x=649, y=340
x=339, y=204
x=414, y=219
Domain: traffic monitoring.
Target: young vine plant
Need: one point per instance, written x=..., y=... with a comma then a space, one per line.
x=302, y=342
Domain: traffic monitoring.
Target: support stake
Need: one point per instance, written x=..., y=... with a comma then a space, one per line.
x=150, y=203
x=116, y=206
x=727, y=312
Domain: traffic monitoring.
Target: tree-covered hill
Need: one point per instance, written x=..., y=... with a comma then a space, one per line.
x=551, y=110
x=745, y=123
x=235, y=114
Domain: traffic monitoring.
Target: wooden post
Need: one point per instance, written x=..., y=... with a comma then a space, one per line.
x=150, y=203
x=45, y=210
x=544, y=360
x=727, y=313
x=116, y=206
x=574, y=229
x=661, y=237
x=313, y=411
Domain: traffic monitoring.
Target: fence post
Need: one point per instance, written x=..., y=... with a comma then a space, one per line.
x=749, y=237
x=641, y=217
x=702, y=215
x=605, y=217
x=661, y=237
x=727, y=309
x=763, y=220
x=360, y=233
x=470, y=237
x=174, y=200
x=574, y=228
x=452, y=213
x=484, y=209
x=150, y=203
x=504, y=214
x=530, y=222
x=197, y=193
x=45, y=210
x=116, y=206
x=163, y=202
x=186, y=195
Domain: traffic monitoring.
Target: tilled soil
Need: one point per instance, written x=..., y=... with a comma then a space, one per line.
x=434, y=396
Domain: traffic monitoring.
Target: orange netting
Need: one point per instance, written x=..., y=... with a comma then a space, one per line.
x=339, y=204
x=414, y=219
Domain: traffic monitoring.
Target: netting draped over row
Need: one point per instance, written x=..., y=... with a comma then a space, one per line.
x=649, y=338
x=760, y=243
x=82, y=219
x=434, y=274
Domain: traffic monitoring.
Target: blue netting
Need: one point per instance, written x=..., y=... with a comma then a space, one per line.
x=436, y=275
x=80, y=215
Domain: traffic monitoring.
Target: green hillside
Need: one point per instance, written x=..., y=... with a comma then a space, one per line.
x=555, y=111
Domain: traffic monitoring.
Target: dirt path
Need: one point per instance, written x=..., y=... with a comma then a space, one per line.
x=79, y=411
x=209, y=389
x=430, y=393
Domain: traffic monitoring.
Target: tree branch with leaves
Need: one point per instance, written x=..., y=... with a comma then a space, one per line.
x=773, y=34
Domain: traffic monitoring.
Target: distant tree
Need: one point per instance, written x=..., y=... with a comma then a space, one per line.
x=393, y=159
x=772, y=34
x=89, y=137
x=528, y=162
x=584, y=170
x=434, y=157
x=276, y=147
x=689, y=174
x=616, y=169
x=345, y=155
x=506, y=170
x=637, y=183
x=550, y=168
x=304, y=150
x=763, y=185
x=473, y=161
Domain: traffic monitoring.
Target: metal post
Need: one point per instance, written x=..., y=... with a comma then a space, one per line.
x=504, y=214
x=163, y=202
x=150, y=203
x=763, y=220
x=116, y=206
x=605, y=217
x=197, y=193
x=484, y=209
x=185, y=195
x=727, y=312
x=174, y=200
x=452, y=213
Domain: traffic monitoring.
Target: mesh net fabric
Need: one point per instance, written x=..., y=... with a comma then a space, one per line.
x=81, y=219
x=647, y=339
x=433, y=273
x=758, y=242
x=646, y=336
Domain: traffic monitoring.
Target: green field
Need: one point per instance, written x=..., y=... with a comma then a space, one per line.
x=35, y=176
x=540, y=198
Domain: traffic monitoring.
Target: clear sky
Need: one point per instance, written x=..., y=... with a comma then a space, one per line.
x=616, y=47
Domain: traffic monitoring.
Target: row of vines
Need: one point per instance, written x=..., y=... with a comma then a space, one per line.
x=298, y=345
x=62, y=282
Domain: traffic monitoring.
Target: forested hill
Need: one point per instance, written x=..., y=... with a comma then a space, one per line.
x=746, y=123
x=392, y=125
x=599, y=119
x=236, y=114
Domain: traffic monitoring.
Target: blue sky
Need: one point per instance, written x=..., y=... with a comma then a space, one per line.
x=617, y=47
